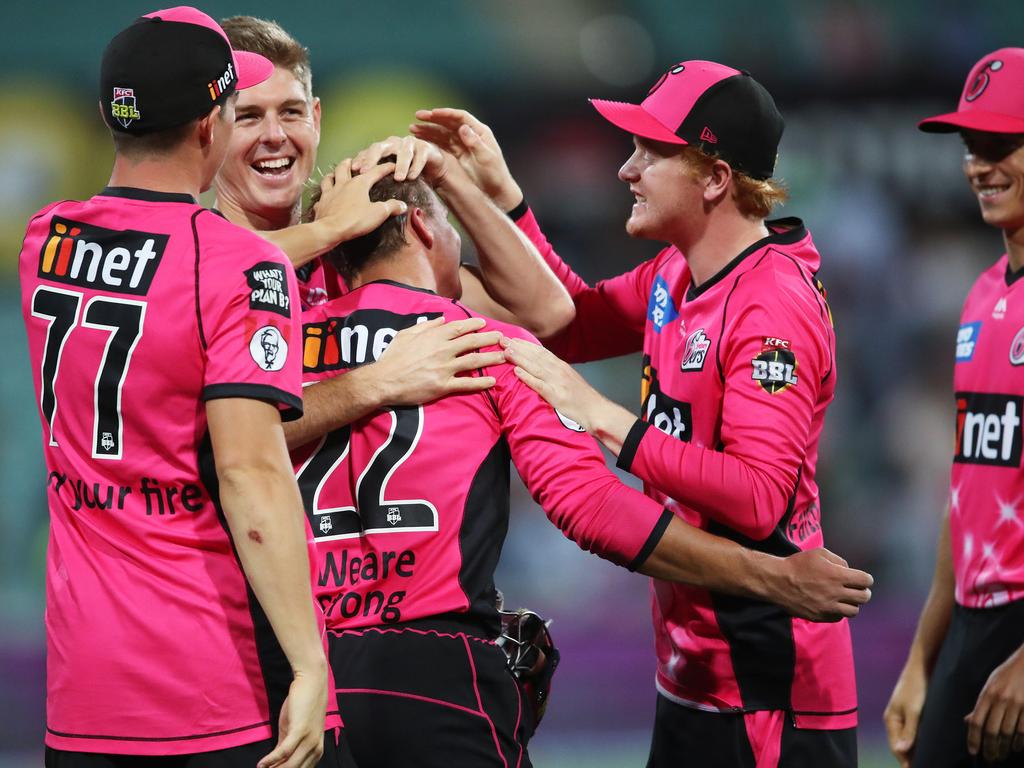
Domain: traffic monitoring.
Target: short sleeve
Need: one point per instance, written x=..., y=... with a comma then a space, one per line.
x=249, y=318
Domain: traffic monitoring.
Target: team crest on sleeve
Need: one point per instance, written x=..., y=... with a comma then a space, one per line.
x=775, y=367
x=268, y=348
x=966, y=339
x=268, y=288
x=569, y=423
x=123, y=108
x=697, y=346
x=661, y=310
x=1017, y=348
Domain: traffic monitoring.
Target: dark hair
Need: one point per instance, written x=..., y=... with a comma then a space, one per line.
x=352, y=256
x=268, y=38
x=154, y=143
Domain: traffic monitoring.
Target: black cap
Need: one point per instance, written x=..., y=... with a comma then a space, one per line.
x=170, y=67
x=718, y=109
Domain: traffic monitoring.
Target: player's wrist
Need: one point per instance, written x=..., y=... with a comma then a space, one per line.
x=508, y=197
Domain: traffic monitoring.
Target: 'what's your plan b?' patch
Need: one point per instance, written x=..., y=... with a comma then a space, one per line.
x=268, y=288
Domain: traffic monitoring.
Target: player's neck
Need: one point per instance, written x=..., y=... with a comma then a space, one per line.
x=257, y=221
x=405, y=267
x=157, y=175
x=1014, y=240
x=710, y=250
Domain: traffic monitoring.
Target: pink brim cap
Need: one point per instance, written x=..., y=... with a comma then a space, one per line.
x=634, y=119
x=975, y=120
x=252, y=68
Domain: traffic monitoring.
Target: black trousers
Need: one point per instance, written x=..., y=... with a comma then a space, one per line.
x=685, y=737
x=428, y=699
x=978, y=641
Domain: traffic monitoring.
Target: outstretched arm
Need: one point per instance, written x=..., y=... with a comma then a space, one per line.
x=612, y=312
x=567, y=476
x=421, y=364
x=514, y=282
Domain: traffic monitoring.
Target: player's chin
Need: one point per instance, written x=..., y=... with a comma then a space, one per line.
x=637, y=226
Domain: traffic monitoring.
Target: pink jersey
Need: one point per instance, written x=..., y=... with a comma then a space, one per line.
x=139, y=306
x=318, y=282
x=986, y=522
x=410, y=505
x=737, y=376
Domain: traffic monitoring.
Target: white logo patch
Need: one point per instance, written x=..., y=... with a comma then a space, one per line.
x=999, y=311
x=569, y=423
x=268, y=348
x=697, y=346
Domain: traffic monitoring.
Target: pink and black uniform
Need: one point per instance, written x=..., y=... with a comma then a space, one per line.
x=318, y=282
x=140, y=306
x=737, y=374
x=986, y=522
x=410, y=509
x=986, y=624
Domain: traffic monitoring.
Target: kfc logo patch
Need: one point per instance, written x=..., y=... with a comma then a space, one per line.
x=268, y=348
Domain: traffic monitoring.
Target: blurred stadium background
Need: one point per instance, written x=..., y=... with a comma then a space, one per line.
x=899, y=233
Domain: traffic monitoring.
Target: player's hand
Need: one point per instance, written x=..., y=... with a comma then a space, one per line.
x=423, y=363
x=903, y=712
x=996, y=726
x=300, y=742
x=472, y=143
x=413, y=157
x=556, y=381
x=819, y=585
x=345, y=207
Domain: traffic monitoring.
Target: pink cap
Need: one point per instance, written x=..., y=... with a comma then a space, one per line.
x=993, y=97
x=252, y=68
x=668, y=102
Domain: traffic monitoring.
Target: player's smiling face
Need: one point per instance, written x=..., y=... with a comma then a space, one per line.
x=666, y=193
x=272, y=152
x=994, y=166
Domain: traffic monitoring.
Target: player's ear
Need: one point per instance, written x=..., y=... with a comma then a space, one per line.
x=716, y=183
x=417, y=222
x=206, y=125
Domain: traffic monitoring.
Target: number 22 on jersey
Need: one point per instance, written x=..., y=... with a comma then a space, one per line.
x=340, y=509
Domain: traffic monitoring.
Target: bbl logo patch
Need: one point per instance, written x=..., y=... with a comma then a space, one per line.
x=697, y=346
x=775, y=367
x=966, y=339
x=661, y=310
x=123, y=108
x=268, y=348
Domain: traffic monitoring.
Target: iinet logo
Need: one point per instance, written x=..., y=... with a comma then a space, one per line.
x=988, y=429
x=121, y=261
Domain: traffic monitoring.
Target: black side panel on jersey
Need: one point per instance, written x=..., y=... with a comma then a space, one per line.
x=484, y=525
x=277, y=673
x=760, y=634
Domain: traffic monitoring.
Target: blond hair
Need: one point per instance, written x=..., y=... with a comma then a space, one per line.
x=755, y=198
x=268, y=38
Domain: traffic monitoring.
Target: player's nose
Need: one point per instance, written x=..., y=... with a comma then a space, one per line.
x=273, y=131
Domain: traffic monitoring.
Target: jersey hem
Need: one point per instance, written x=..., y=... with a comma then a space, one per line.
x=813, y=721
x=158, y=745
